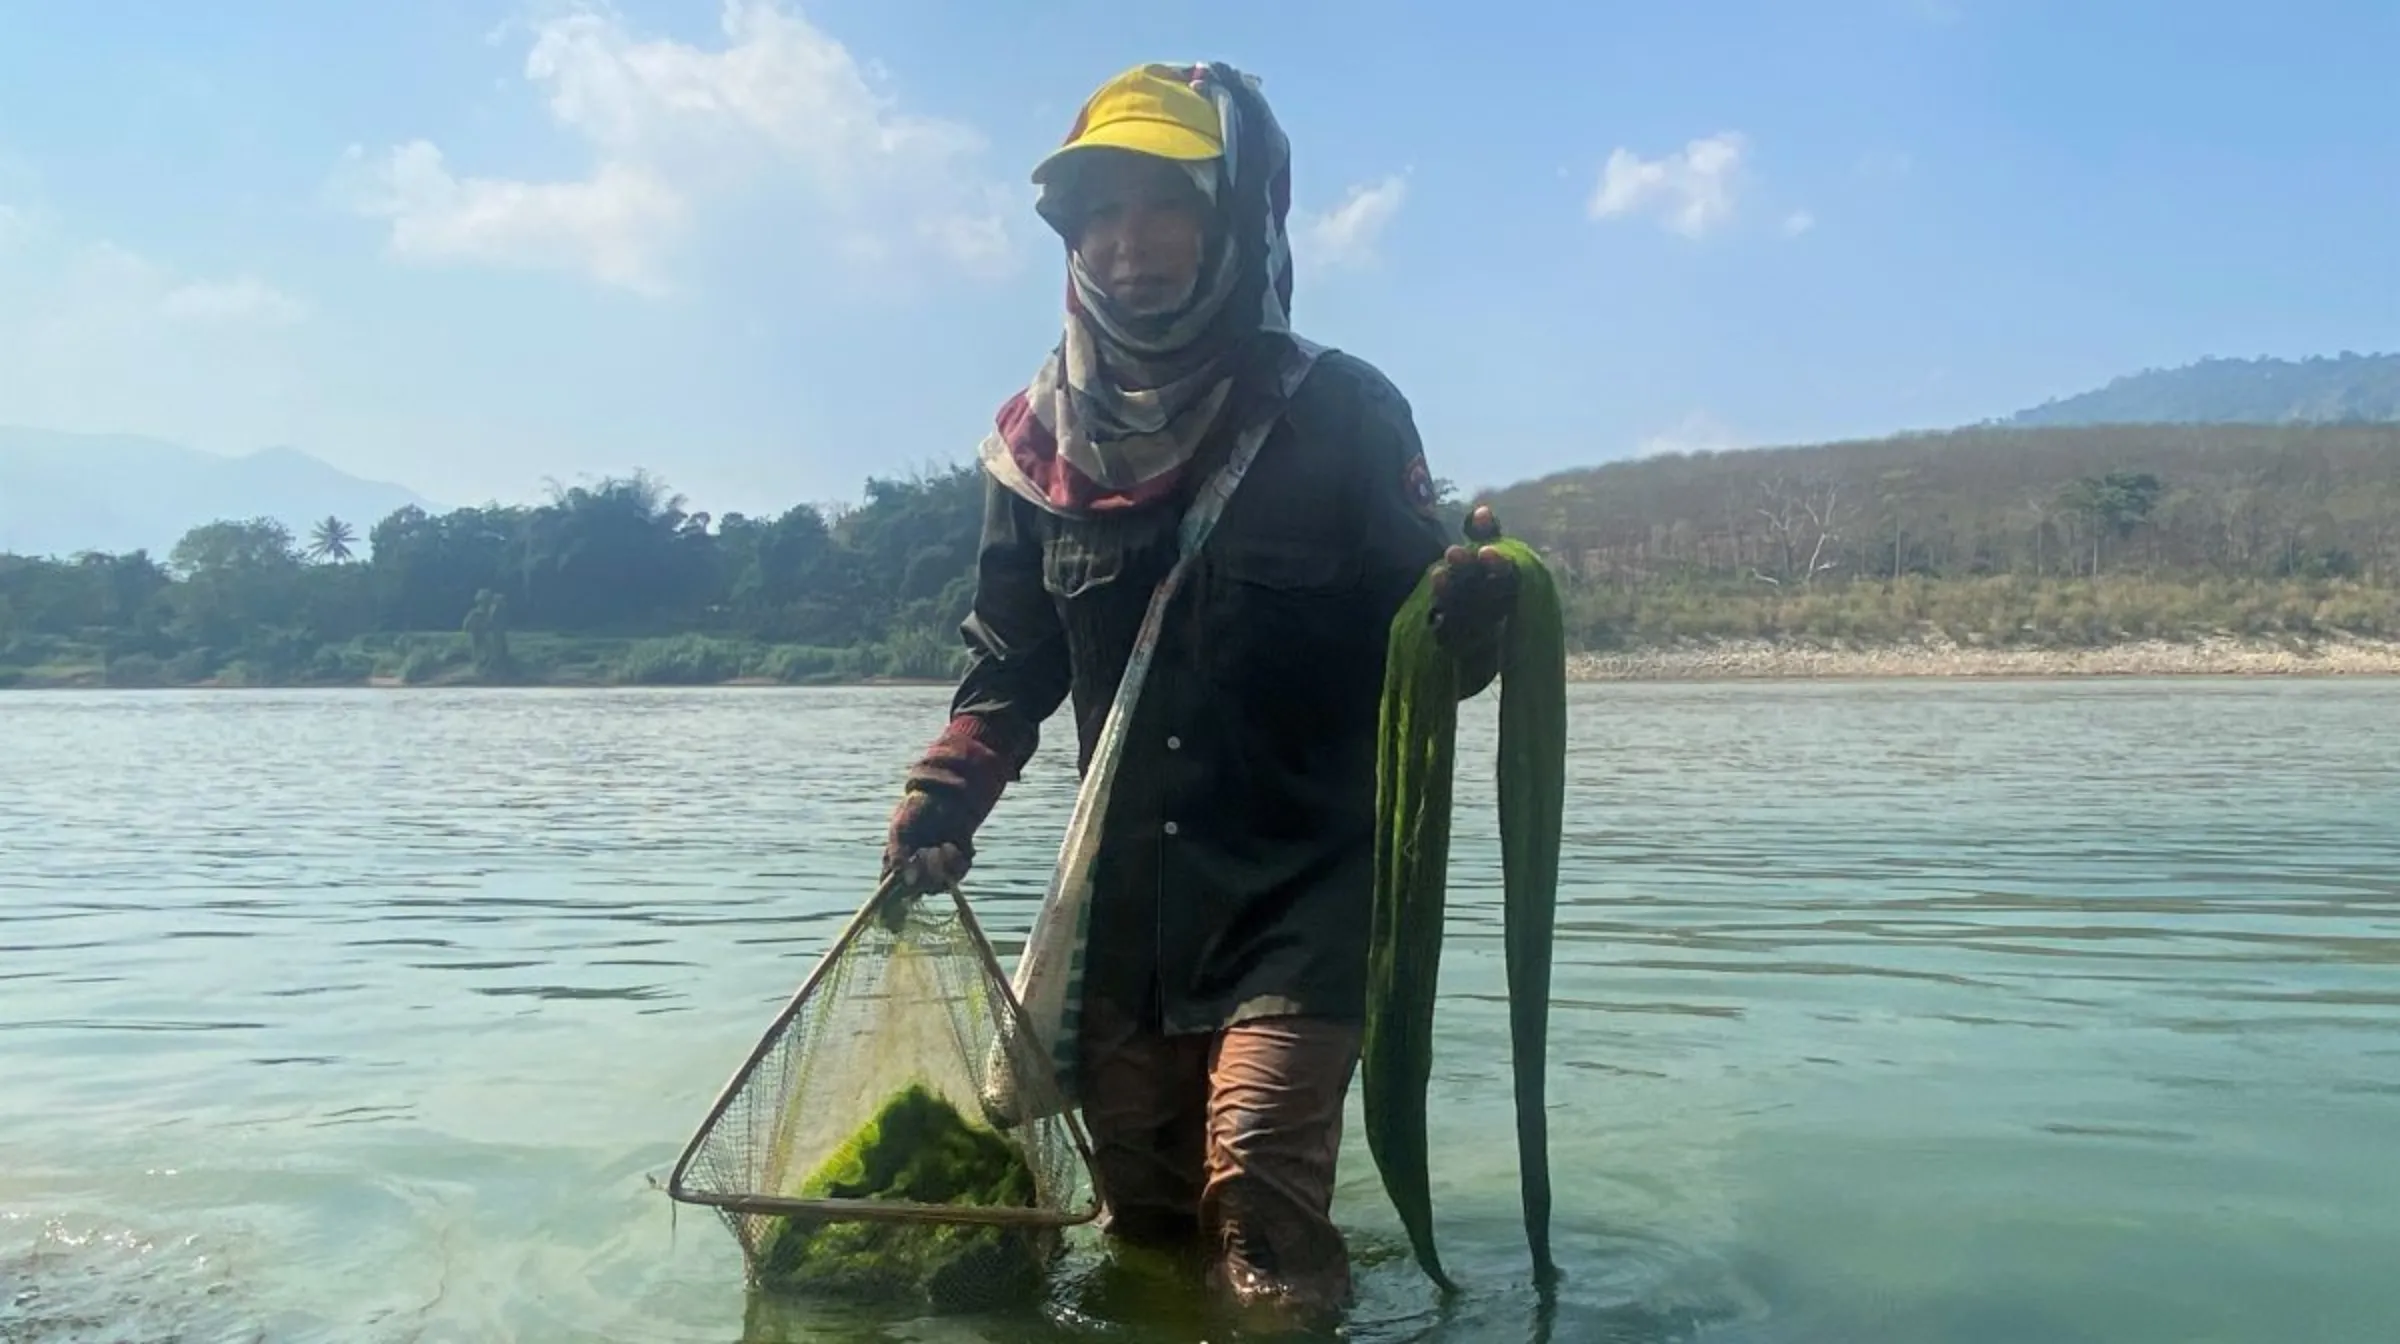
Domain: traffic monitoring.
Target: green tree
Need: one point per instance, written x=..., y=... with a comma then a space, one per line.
x=330, y=540
x=257, y=546
x=622, y=554
x=428, y=569
x=2112, y=505
x=486, y=628
x=240, y=584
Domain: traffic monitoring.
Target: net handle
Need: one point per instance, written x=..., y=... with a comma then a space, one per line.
x=1024, y=1032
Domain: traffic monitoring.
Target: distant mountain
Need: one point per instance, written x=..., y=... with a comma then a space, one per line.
x=2343, y=388
x=61, y=493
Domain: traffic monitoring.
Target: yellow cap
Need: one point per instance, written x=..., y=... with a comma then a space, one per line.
x=1150, y=109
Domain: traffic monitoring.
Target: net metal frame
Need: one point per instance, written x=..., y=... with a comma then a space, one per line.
x=1015, y=1042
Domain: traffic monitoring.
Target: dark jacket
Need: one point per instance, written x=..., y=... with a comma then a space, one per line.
x=1237, y=861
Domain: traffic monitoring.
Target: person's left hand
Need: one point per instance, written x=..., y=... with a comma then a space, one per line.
x=1474, y=591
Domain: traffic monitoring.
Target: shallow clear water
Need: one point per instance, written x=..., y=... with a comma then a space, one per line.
x=1979, y=1013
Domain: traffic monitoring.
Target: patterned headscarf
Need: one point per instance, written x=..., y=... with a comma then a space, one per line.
x=1118, y=409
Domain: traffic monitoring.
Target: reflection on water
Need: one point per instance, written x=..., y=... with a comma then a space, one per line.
x=1971, y=1013
x=62, y=1283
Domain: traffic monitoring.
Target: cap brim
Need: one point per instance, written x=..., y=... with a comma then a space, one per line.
x=1159, y=139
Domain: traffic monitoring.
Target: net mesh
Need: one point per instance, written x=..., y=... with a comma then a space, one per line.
x=850, y=1155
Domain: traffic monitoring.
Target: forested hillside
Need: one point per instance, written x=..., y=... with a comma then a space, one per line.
x=2073, y=535
x=2327, y=389
x=2214, y=500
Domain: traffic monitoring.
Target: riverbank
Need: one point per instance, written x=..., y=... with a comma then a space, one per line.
x=529, y=659
x=1769, y=660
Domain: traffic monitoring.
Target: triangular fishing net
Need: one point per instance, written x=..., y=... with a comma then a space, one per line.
x=850, y=1154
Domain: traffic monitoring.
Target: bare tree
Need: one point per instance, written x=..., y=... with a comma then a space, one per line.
x=1802, y=525
x=1824, y=518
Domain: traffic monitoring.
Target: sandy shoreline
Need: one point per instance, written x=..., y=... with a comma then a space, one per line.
x=1763, y=660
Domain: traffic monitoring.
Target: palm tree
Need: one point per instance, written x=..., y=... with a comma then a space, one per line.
x=330, y=540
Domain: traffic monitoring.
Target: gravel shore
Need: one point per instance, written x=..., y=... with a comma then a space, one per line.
x=1736, y=660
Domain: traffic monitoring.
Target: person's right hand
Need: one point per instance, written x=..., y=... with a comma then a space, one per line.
x=946, y=796
x=1474, y=591
x=931, y=842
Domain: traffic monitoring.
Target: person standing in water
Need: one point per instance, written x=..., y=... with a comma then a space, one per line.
x=1224, y=988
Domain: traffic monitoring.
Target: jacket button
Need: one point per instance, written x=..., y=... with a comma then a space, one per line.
x=1171, y=828
x=1174, y=744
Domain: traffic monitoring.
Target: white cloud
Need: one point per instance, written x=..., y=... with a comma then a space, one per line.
x=1347, y=234
x=61, y=283
x=1692, y=189
x=611, y=225
x=1886, y=164
x=673, y=129
x=1798, y=222
x=242, y=299
x=97, y=336
x=1698, y=432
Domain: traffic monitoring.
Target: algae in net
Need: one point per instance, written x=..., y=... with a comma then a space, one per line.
x=917, y=1149
x=850, y=1155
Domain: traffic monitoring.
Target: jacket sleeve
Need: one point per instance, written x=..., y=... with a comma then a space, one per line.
x=1403, y=533
x=1017, y=669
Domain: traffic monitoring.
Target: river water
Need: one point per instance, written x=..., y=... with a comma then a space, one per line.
x=1972, y=1013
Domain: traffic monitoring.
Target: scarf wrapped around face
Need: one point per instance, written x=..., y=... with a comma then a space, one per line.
x=1119, y=408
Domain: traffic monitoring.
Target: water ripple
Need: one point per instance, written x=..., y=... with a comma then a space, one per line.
x=416, y=1016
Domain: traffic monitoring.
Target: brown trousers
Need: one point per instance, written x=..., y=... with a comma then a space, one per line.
x=1228, y=1140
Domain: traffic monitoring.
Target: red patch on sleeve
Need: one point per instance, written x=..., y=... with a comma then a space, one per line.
x=1416, y=484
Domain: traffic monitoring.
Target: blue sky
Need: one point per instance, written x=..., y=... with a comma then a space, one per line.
x=767, y=249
